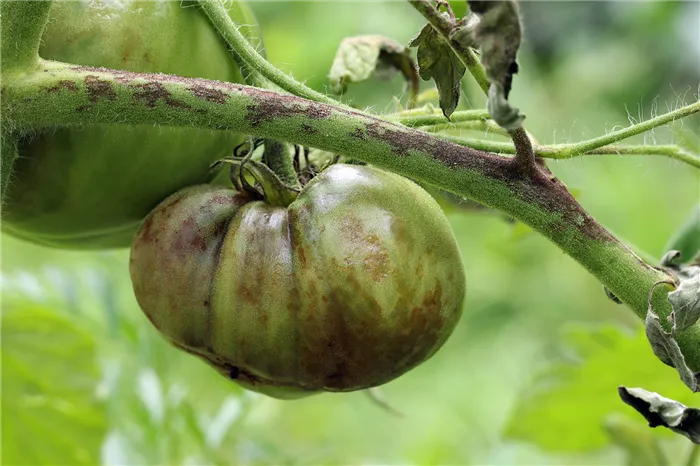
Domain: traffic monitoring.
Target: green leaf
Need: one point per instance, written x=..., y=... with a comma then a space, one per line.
x=567, y=407
x=50, y=413
x=438, y=62
x=358, y=58
x=687, y=237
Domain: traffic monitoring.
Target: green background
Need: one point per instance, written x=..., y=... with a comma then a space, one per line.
x=530, y=374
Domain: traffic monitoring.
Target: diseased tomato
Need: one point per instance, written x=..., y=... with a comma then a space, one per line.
x=92, y=187
x=355, y=282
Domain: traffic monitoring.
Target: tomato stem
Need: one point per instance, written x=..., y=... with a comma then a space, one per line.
x=21, y=28
x=223, y=23
x=8, y=154
x=277, y=156
x=64, y=95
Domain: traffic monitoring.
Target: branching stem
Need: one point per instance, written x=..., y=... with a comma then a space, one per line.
x=8, y=153
x=21, y=27
x=465, y=54
x=65, y=95
x=562, y=151
x=414, y=119
x=586, y=146
x=218, y=16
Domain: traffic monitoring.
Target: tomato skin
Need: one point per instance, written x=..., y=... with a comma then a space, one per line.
x=356, y=282
x=92, y=187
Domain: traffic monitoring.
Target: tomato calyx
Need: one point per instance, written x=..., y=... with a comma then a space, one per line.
x=267, y=185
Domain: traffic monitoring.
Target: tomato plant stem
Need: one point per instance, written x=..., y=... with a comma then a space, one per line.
x=561, y=151
x=279, y=159
x=218, y=16
x=22, y=24
x=63, y=95
x=8, y=152
x=416, y=117
x=524, y=154
x=633, y=130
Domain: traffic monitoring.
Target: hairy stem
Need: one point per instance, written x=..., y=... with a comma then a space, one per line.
x=21, y=27
x=562, y=151
x=218, y=16
x=524, y=155
x=487, y=126
x=414, y=119
x=279, y=159
x=64, y=95
x=633, y=130
x=8, y=154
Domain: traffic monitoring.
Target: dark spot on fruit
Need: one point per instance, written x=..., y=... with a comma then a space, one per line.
x=234, y=373
x=98, y=89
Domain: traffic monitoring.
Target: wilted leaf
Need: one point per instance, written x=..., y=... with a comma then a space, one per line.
x=358, y=58
x=437, y=61
x=660, y=411
x=667, y=350
x=507, y=116
x=685, y=301
x=494, y=27
x=49, y=411
x=567, y=407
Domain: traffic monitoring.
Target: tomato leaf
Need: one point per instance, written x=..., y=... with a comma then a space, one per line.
x=48, y=390
x=495, y=28
x=570, y=401
x=438, y=62
x=358, y=58
x=660, y=411
x=665, y=347
x=685, y=301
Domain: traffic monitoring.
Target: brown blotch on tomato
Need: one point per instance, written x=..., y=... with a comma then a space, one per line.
x=356, y=282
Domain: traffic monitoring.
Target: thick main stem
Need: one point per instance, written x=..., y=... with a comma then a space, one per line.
x=61, y=95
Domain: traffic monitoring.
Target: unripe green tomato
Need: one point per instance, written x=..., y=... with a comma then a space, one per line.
x=92, y=187
x=354, y=283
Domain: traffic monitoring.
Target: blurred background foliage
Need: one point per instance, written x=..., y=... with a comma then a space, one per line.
x=530, y=374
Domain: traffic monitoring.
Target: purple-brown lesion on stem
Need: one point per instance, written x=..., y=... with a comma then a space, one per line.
x=267, y=107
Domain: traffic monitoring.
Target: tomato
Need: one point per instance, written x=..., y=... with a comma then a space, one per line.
x=355, y=282
x=92, y=187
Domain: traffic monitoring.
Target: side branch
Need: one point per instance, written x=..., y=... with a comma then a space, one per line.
x=21, y=27
x=63, y=95
x=8, y=154
x=218, y=16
